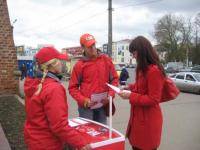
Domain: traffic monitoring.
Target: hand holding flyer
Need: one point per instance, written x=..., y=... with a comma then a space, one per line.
x=116, y=89
x=97, y=98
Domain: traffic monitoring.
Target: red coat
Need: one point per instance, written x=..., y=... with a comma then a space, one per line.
x=145, y=124
x=90, y=76
x=46, y=126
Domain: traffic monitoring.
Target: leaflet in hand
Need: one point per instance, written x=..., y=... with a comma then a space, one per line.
x=116, y=89
x=98, y=98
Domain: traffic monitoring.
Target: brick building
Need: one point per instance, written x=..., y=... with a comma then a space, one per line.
x=8, y=56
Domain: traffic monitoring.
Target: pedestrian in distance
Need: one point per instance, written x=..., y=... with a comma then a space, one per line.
x=23, y=71
x=46, y=126
x=124, y=75
x=88, y=79
x=145, y=123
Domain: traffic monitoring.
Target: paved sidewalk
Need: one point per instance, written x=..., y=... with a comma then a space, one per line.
x=181, y=120
x=4, y=145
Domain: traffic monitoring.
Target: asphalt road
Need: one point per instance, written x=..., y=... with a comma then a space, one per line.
x=181, y=127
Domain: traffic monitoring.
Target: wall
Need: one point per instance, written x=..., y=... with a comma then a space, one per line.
x=8, y=56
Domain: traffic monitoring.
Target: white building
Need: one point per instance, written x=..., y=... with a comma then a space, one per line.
x=44, y=45
x=29, y=51
x=121, y=52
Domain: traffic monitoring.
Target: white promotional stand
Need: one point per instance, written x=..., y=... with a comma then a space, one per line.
x=101, y=137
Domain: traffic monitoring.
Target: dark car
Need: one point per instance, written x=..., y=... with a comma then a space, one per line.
x=131, y=66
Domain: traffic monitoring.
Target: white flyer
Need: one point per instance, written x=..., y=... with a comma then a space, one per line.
x=98, y=98
x=116, y=89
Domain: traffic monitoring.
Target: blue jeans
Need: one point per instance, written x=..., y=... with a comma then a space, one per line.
x=93, y=114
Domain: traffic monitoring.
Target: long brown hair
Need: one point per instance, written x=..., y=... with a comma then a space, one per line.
x=146, y=55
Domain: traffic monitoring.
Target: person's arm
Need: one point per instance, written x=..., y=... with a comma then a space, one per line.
x=155, y=85
x=56, y=109
x=74, y=84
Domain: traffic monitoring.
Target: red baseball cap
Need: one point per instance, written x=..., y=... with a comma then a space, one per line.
x=46, y=54
x=87, y=40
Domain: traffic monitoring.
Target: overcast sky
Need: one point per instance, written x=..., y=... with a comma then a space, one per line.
x=62, y=22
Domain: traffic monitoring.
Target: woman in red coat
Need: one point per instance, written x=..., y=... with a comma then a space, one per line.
x=145, y=124
x=46, y=126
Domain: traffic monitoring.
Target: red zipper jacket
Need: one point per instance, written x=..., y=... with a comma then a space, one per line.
x=46, y=126
x=145, y=123
x=90, y=76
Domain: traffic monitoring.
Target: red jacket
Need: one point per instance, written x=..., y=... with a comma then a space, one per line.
x=46, y=126
x=90, y=76
x=145, y=124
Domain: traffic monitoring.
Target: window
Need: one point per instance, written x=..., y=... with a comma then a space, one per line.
x=180, y=76
x=172, y=76
x=197, y=76
x=189, y=77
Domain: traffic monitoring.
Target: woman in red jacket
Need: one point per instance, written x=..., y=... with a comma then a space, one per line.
x=46, y=125
x=145, y=124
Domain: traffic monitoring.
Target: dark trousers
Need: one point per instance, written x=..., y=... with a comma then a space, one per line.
x=135, y=148
x=23, y=75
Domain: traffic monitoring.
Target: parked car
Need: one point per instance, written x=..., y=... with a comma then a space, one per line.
x=131, y=66
x=170, y=70
x=187, y=81
x=196, y=69
x=185, y=69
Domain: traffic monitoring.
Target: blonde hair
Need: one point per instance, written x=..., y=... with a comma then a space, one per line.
x=45, y=68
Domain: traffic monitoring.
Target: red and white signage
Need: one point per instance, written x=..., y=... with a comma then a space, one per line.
x=98, y=134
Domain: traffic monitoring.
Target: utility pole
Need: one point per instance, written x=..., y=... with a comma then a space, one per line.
x=110, y=28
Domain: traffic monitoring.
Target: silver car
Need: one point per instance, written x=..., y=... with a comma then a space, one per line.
x=187, y=81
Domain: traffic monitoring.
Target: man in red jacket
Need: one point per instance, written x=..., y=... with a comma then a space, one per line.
x=88, y=81
x=46, y=125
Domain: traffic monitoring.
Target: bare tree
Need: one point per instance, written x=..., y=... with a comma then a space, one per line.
x=197, y=19
x=197, y=28
x=196, y=48
x=186, y=43
x=167, y=31
x=174, y=35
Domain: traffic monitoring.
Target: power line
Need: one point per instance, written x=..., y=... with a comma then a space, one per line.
x=85, y=19
x=138, y=4
x=79, y=21
x=92, y=16
x=57, y=18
